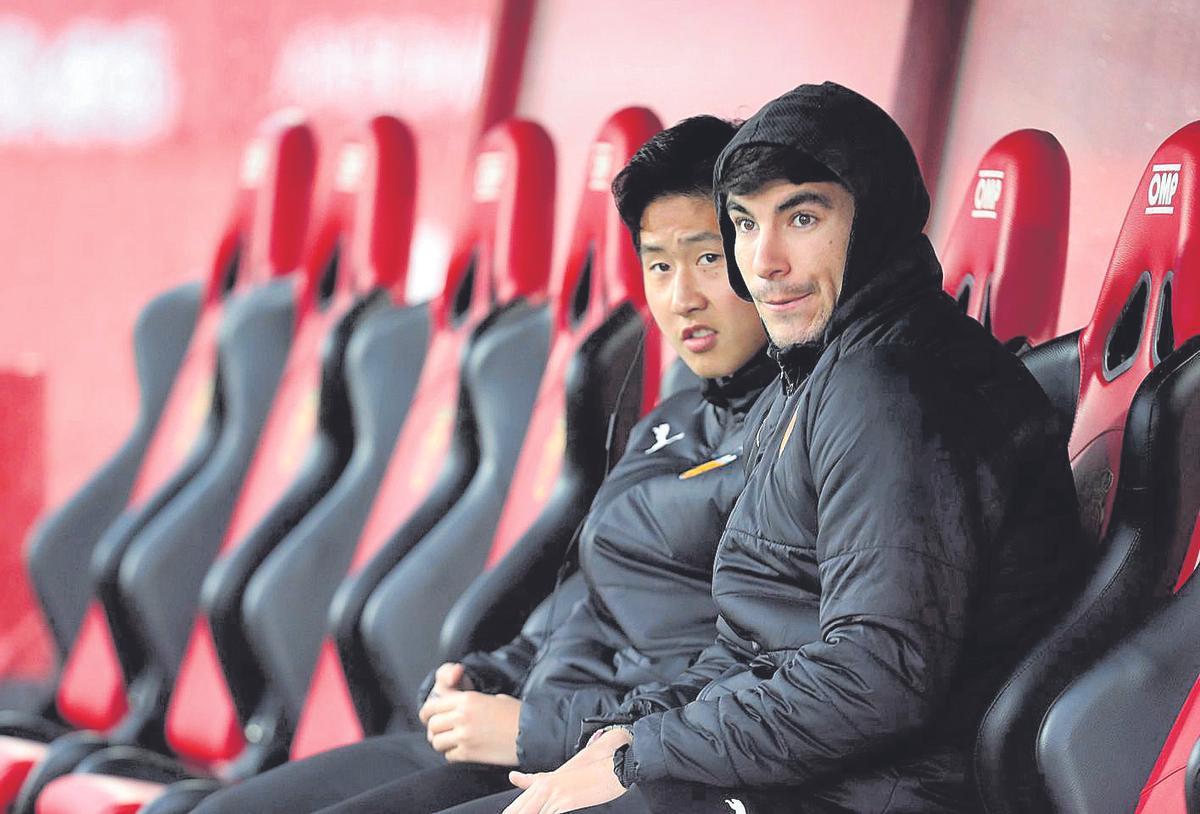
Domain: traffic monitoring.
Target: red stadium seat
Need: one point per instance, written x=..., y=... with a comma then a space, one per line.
x=204, y=725
x=600, y=274
x=1119, y=737
x=501, y=257
x=599, y=321
x=263, y=240
x=1007, y=252
x=1149, y=298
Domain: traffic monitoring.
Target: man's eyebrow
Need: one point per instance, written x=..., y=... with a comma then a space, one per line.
x=733, y=206
x=700, y=237
x=651, y=248
x=805, y=198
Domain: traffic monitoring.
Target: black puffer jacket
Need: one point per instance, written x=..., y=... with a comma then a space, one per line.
x=646, y=552
x=909, y=528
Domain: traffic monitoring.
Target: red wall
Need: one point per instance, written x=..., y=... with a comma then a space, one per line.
x=1109, y=79
x=121, y=127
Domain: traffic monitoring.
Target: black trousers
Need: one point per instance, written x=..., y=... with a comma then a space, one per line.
x=653, y=798
x=429, y=791
x=305, y=786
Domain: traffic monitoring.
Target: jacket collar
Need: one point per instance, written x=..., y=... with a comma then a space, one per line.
x=794, y=362
x=738, y=390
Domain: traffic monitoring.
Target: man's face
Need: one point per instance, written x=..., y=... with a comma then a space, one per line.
x=683, y=268
x=791, y=250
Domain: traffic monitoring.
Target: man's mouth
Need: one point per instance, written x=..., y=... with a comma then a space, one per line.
x=784, y=302
x=699, y=338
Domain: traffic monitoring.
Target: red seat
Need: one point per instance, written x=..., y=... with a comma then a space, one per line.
x=203, y=724
x=599, y=323
x=96, y=794
x=263, y=239
x=1006, y=255
x=1149, y=298
x=91, y=694
x=502, y=255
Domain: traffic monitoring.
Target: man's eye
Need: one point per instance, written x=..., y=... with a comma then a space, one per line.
x=708, y=258
x=744, y=224
x=661, y=268
x=803, y=219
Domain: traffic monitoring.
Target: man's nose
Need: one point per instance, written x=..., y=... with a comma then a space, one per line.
x=770, y=256
x=686, y=297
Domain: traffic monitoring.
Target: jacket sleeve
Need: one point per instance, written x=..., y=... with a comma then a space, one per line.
x=555, y=723
x=573, y=682
x=898, y=485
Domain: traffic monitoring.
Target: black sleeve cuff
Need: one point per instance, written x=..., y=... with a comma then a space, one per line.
x=624, y=767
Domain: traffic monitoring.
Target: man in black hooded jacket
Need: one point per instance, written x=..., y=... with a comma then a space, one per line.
x=907, y=532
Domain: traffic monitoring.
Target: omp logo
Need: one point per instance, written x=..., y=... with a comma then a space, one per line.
x=1164, y=183
x=600, y=175
x=489, y=176
x=351, y=167
x=987, y=193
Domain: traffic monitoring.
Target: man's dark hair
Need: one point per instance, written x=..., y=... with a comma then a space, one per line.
x=753, y=166
x=676, y=161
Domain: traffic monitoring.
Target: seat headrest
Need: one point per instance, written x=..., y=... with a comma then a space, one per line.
x=601, y=268
x=1007, y=250
x=265, y=234
x=502, y=251
x=366, y=228
x=1150, y=300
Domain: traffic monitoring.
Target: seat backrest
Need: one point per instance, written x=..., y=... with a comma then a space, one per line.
x=599, y=320
x=173, y=346
x=1006, y=255
x=1119, y=737
x=268, y=223
x=306, y=443
x=1148, y=300
x=501, y=258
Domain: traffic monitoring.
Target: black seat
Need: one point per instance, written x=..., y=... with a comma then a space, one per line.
x=500, y=263
x=523, y=515
x=1101, y=742
x=148, y=582
x=1146, y=303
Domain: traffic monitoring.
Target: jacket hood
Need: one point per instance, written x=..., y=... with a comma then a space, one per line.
x=889, y=257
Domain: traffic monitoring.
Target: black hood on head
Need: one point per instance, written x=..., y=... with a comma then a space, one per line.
x=889, y=256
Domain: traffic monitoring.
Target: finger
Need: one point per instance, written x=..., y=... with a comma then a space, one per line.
x=435, y=706
x=521, y=780
x=441, y=722
x=449, y=674
x=444, y=741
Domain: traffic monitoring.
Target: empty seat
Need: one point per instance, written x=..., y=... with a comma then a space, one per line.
x=277, y=164
x=524, y=521
x=1006, y=255
x=148, y=582
x=1147, y=300
x=1119, y=737
x=220, y=689
x=500, y=262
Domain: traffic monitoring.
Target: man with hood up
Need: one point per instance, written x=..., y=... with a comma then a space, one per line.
x=907, y=532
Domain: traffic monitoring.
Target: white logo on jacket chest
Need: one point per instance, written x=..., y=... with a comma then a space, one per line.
x=663, y=437
x=736, y=806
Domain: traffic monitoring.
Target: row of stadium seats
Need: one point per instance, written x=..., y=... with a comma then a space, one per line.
x=329, y=491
